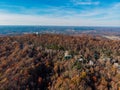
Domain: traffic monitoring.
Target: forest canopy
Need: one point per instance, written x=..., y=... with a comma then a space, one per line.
x=37, y=61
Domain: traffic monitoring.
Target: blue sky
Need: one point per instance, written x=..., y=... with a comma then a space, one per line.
x=60, y=12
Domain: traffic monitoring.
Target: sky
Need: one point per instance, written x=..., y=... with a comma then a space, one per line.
x=60, y=12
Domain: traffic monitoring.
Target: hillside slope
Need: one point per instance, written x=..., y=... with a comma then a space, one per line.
x=30, y=62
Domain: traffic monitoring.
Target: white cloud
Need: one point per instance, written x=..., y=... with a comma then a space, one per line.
x=117, y=5
x=16, y=19
x=85, y=2
x=110, y=13
x=107, y=17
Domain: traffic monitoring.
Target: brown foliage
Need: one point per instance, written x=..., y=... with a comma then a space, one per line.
x=31, y=61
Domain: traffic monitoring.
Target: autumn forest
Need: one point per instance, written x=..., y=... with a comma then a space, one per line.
x=38, y=62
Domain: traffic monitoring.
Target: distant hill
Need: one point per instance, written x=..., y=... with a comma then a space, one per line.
x=17, y=30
